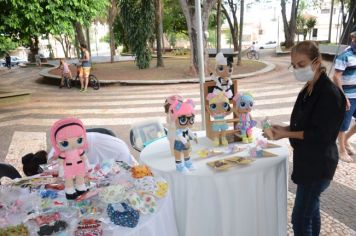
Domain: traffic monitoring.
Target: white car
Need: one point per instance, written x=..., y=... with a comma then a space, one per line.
x=269, y=44
x=15, y=61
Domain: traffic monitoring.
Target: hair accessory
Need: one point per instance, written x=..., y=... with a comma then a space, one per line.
x=48, y=194
x=112, y=194
x=47, y=219
x=50, y=229
x=89, y=227
x=128, y=218
x=179, y=104
x=140, y=171
x=15, y=230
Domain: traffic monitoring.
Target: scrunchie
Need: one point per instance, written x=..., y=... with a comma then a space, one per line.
x=128, y=218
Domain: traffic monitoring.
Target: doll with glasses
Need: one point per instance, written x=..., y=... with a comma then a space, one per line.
x=219, y=107
x=69, y=140
x=244, y=104
x=222, y=76
x=183, y=114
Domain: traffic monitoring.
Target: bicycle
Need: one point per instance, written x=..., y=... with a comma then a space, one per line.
x=253, y=54
x=67, y=82
x=93, y=81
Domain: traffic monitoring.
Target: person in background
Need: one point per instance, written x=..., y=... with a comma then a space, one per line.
x=85, y=69
x=63, y=65
x=38, y=60
x=345, y=79
x=8, y=61
x=314, y=126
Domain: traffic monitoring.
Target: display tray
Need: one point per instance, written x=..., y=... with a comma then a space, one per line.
x=226, y=163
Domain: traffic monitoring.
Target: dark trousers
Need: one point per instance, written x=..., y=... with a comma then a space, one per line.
x=306, y=211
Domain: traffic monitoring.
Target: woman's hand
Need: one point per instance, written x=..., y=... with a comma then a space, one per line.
x=348, y=105
x=279, y=132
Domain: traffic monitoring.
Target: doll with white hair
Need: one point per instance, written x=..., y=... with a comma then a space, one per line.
x=222, y=76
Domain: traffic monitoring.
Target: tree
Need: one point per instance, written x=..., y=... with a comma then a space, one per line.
x=27, y=20
x=289, y=27
x=158, y=31
x=233, y=24
x=6, y=45
x=348, y=19
x=310, y=24
x=112, y=13
x=188, y=8
x=241, y=30
x=135, y=14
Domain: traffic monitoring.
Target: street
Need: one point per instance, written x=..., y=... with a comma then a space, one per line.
x=25, y=127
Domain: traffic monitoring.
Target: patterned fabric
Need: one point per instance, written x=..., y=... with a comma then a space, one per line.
x=346, y=63
x=127, y=218
x=112, y=194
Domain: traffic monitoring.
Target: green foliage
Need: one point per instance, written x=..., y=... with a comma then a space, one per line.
x=138, y=22
x=173, y=18
x=120, y=34
x=6, y=45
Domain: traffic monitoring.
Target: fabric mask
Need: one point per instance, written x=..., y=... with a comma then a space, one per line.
x=304, y=74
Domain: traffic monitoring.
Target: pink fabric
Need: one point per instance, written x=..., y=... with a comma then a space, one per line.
x=75, y=169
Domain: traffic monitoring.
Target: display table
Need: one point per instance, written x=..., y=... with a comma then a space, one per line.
x=16, y=202
x=244, y=200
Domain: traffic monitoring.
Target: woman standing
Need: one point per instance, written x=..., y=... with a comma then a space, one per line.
x=314, y=125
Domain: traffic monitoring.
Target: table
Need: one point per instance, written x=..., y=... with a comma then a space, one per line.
x=245, y=200
x=148, y=225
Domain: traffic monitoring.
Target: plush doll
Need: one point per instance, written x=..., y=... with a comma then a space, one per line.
x=171, y=125
x=69, y=140
x=183, y=114
x=244, y=104
x=222, y=77
x=218, y=108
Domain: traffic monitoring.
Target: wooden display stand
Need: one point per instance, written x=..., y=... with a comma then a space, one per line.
x=230, y=133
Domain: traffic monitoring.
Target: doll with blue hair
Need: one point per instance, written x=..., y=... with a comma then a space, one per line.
x=182, y=113
x=244, y=103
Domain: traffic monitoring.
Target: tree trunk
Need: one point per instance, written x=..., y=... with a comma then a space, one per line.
x=111, y=19
x=161, y=29
x=218, y=26
x=241, y=30
x=158, y=31
x=349, y=23
x=233, y=28
x=188, y=8
x=289, y=28
x=79, y=33
x=33, y=48
x=88, y=39
x=330, y=21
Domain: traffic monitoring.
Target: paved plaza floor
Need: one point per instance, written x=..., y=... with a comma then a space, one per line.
x=24, y=127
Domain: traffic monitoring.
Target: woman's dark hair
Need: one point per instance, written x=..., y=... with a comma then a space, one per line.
x=310, y=49
x=31, y=162
x=82, y=45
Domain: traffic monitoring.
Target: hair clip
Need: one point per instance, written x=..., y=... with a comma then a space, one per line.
x=128, y=218
x=178, y=105
x=15, y=230
x=47, y=219
x=58, y=226
x=48, y=194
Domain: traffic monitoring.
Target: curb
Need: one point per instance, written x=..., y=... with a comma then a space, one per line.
x=269, y=67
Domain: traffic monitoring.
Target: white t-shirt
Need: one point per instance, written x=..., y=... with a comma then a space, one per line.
x=103, y=147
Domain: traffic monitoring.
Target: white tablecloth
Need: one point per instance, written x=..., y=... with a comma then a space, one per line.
x=245, y=200
x=160, y=223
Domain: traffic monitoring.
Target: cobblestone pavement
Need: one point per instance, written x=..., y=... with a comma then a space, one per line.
x=24, y=127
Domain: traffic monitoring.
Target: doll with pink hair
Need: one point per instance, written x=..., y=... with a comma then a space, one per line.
x=183, y=114
x=171, y=126
x=69, y=140
x=219, y=107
